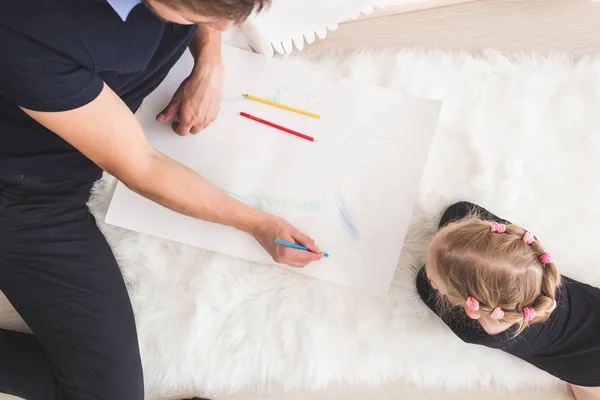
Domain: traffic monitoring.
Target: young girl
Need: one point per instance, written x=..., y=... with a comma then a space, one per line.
x=494, y=285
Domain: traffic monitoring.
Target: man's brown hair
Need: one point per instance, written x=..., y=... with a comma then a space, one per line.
x=234, y=10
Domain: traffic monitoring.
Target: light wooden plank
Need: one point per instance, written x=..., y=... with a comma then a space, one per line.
x=404, y=8
x=542, y=26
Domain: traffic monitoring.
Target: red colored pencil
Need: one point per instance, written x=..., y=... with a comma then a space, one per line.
x=282, y=128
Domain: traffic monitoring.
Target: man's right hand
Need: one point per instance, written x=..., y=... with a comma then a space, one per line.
x=106, y=132
x=271, y=228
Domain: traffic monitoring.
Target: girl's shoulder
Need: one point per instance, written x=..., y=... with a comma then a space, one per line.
x=457, y=320
x=464, y=209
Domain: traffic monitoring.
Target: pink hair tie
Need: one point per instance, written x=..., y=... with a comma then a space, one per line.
x=528, y=314
x=472, y=303
x=497, y=228
x=551, y=308
x=497, y=313
x=546, y=258
x=528, y=238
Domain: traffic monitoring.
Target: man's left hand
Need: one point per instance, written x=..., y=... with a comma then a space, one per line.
x=197, y=101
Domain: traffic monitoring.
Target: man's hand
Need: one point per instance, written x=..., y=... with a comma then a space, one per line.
x=271, y=228
x=197, y=102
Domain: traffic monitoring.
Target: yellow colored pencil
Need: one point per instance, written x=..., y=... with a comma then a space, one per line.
x=275, y=104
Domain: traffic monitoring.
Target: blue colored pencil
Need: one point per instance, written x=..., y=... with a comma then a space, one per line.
x=295, y=246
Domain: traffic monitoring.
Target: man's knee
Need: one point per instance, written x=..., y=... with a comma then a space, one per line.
x=122, y=366
x=110, y=368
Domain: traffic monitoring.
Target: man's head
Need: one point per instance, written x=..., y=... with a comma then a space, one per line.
x=219, y=14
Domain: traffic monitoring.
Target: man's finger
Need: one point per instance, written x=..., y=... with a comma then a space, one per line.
x=305, y=241
x=284, y=257
x=296, y=265
x=301, y=256
x=179, y=129
x=195, y=129
x=204, y=124
x=169, y=112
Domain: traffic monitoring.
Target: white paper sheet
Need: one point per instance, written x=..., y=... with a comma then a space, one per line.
x=353, y=191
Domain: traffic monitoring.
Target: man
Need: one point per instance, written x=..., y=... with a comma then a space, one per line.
x=72, y=72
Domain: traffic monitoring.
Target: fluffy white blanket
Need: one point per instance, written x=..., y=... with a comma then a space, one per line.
x=520, y=137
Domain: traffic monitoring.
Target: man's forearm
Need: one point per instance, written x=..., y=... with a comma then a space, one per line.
x=180, y=189
x=206, y=45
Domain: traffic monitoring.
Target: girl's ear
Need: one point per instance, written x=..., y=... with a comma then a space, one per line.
x=472, y=313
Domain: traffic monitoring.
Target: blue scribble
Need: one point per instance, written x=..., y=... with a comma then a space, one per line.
x=347, y=217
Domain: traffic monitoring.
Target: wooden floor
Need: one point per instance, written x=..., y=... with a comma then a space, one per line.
x=410, y=7
x=506, y=25
x=396, y=392
x=571, y=26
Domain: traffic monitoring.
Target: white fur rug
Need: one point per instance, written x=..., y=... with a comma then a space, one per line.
x=521, y=138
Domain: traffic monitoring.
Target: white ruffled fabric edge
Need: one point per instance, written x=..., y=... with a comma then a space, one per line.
x=280, y=29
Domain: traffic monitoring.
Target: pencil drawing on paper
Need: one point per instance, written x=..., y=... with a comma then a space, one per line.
x=347, y=216
x=314, y=98
x=275, y=97
x=265, y=202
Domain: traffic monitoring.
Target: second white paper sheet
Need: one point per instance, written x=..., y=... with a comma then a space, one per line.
x=353, y=190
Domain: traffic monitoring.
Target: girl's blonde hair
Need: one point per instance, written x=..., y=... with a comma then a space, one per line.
x=497, y=269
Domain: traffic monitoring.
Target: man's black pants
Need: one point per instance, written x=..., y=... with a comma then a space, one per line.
x=61, y=276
